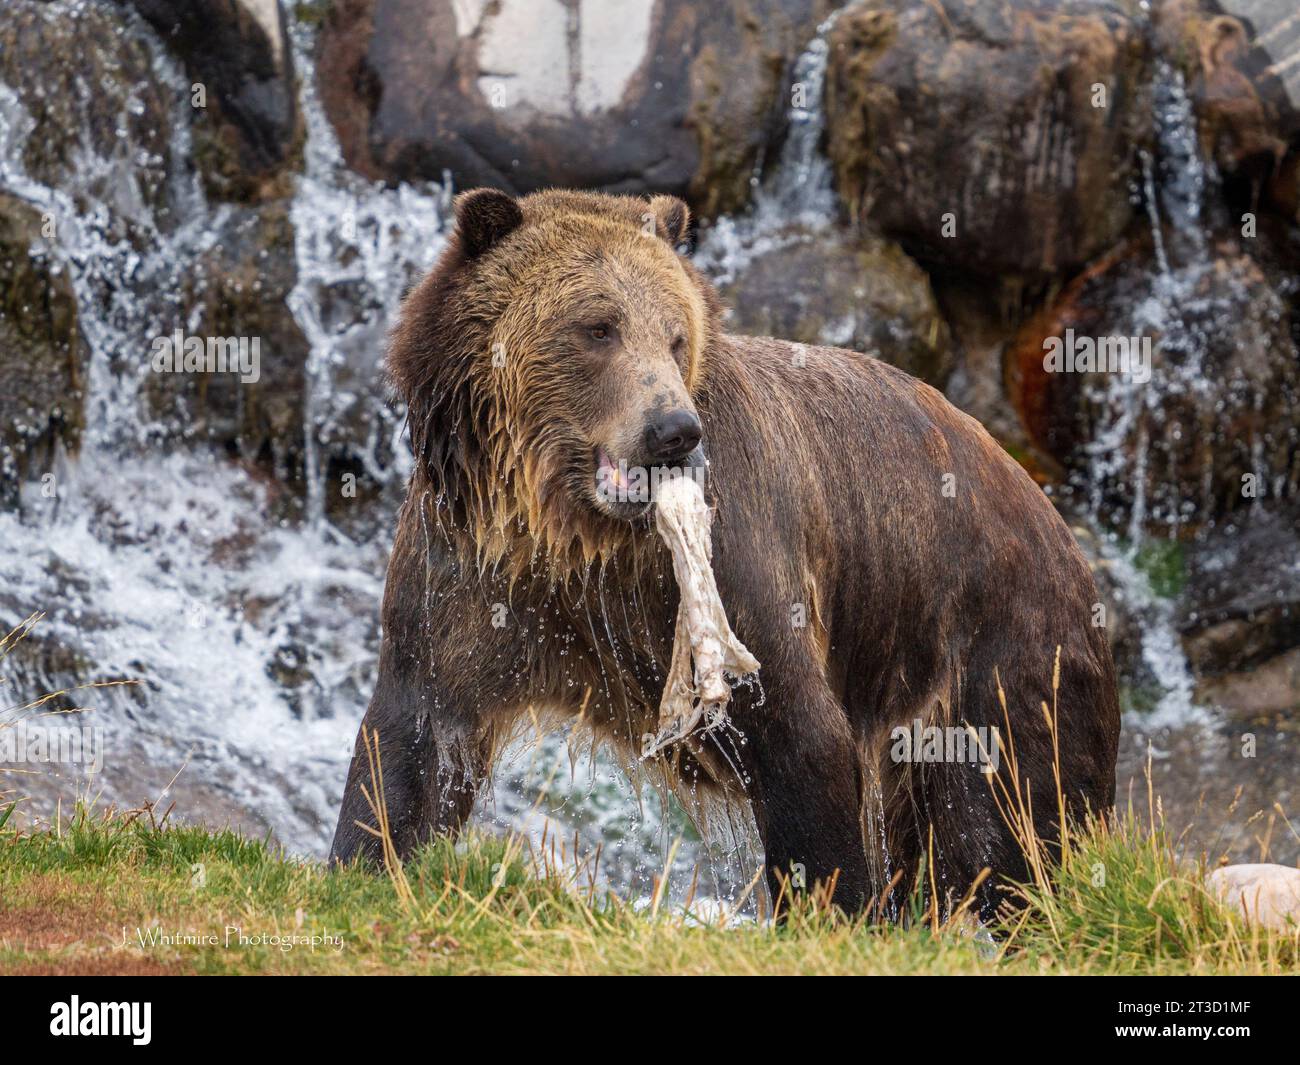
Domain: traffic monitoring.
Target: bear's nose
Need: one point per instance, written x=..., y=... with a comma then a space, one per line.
x=672, y=435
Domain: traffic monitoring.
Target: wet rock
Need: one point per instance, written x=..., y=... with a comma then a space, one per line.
x=667, y=96
x=972, y=131
x=1215, y=793
x=1215, y=428
x=1242, y=62
x=49, y=56
x=1246, y=569
x=1264, y=894
x=238, y=291
x=42, y=353
x=862, y=293
x=1240, y=613
x=1273, y=29
x=293, y=670
x=236, y=54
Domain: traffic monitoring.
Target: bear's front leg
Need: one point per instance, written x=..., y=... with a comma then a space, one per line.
x=441, y=691
x=805, y=786
x=429, y=782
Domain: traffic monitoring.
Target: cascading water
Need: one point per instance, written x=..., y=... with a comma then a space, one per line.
x=361, y=245
x=1188, y=302
x=160, y=562
x=796, y=199
x=1177, y=449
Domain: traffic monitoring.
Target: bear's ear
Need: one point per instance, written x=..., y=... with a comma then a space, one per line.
x=485, y=216
x=672, y=218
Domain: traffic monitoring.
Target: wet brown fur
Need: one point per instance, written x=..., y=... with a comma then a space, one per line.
x=508, y=590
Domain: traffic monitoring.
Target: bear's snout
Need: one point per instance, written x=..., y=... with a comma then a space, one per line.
x=672, y=435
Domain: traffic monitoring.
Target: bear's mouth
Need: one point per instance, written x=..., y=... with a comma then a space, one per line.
x=626, y=489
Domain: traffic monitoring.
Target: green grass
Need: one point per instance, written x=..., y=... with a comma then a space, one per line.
x=1124, y=901
x=79, y=895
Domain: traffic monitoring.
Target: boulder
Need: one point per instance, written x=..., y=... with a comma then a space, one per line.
x=42, y=353
x=1239, y=616
x=238, y=289
x=1268, y=690
x=1263, y=893
x=640, y=96
x=237, y=58
x=993, y=136
x=862, y=293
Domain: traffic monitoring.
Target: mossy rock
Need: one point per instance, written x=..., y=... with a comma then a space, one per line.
x=239, y=289
x=42, y=353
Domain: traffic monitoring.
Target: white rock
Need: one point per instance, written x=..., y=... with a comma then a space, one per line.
x=266, y=13
x=1264, y=894
x=558, y=57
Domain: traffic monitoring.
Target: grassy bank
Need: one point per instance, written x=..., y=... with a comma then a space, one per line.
x=91, y=894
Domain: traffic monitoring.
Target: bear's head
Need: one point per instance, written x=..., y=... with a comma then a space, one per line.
x=551, y=362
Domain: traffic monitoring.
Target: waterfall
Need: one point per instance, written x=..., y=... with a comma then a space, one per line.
x=800, y=188
x=162, y=561
x=362, y=242
x=123, y=561
x=797, y=197
x=255, y=635
x=1167, y=303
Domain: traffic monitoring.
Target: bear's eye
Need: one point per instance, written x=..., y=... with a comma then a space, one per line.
x=599, y=332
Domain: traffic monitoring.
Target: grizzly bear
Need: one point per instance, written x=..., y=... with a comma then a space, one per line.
x=890, y=566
